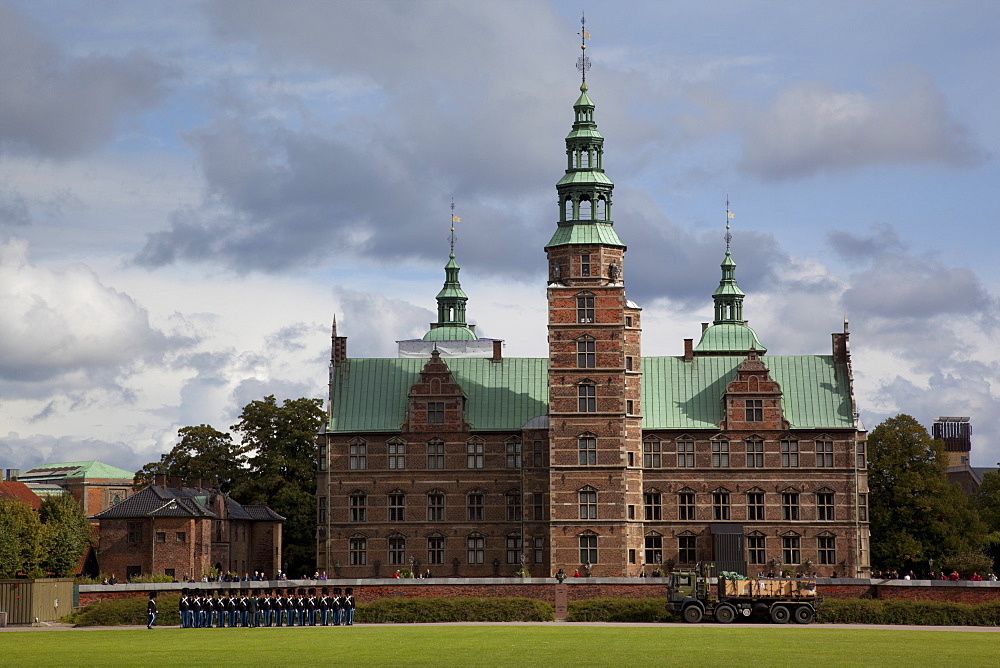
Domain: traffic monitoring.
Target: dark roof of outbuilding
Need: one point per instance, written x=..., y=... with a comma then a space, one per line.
x=263, y=513
x=155, y=501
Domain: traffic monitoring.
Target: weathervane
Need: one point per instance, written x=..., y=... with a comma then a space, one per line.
x=729, y=216
x=454, y=219
x=583, y=62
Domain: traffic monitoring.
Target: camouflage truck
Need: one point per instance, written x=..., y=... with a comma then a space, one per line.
x=695, y=593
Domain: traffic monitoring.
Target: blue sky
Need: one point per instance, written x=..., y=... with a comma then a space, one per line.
x=189, y=191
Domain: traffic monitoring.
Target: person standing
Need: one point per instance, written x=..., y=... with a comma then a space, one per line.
x=336, y=606
x=324, y=606
x=349, y=607
x=184, y=608
x=151, y=610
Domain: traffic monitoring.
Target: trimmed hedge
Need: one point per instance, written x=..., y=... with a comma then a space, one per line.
x=468, y=609
x=916, y=613
x=620, y=610
x=127, y=612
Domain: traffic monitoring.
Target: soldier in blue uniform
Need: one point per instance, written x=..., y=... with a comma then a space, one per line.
x=324, y=606
x=349, y=606
x=184, y=608
x=151, y=610
x=336, y=606
x=232, y=608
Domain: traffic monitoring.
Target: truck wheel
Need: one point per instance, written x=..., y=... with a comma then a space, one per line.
x=804, y=614
x=725, y=613
x=692, y=614
x=780, y=614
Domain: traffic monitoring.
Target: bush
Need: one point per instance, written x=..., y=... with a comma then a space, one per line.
x=620, y=610
x=126, y=612
x=472, y=609
x=916, y=613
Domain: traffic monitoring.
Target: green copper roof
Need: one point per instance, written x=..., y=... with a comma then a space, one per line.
x=585, y=233
x=450, y=333
x=679, y=394
x=370, y=395
x=729, y=338
x=584, y=176
x=88, y=469
x=584, y=99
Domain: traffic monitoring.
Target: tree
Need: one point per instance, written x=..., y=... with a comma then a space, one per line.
x=203, y=452
x=915, y=513
x=66, y=535
x=282, y=470
x=20, y=540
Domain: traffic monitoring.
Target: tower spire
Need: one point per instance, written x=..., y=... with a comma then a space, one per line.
x=583, y=62
x=451, y=300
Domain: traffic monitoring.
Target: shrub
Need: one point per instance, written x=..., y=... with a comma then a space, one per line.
x=126, y=612
x=471, y=609
x=620, y=610
x=916, y=613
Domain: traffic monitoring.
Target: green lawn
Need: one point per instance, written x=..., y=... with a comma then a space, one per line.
x=500, y=646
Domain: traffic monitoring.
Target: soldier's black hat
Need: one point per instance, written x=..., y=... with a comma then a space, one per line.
x=349, y=591
x=290, y=591
x=326, y=591
x=152, y=594
x=301, y=592
x=312, y=592
x=336, y=590
x=184, y=591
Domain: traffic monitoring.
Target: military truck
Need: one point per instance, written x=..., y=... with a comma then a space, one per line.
x=695, y=593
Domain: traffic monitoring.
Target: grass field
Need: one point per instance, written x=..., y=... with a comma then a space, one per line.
x=500, y=646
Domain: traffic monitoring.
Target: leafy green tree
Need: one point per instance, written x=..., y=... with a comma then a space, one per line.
x=915, y=513
x=202, y=452
x=988, y=500
x=282, y=440
x=21, y=541
x=66, y=535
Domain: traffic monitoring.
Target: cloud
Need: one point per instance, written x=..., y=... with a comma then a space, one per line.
x=812, y=128
x=26, y=452
x=56, y=105
x=861, y=248
x=66, y=324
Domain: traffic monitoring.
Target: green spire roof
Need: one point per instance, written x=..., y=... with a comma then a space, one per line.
x=451, y=300
x=585, y=190
x=729, y=333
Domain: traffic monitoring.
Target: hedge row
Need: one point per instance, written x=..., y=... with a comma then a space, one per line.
x=132, y=611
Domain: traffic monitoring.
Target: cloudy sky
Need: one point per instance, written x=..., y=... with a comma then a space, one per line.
x=190, y=191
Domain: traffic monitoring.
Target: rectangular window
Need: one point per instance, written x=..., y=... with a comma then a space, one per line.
x=538, y=512
x=790, y=506
x=654, y=549
x=755, y=550
x=170, y=572
x=475, y=547
x=588, y=505
x=474, y=454
x=631, y=511
x=132, y=572
x=824, y=506
x=827, y=550
x=861, y=455
x=536, y=453
x=435, y=455
x=513, y=549
x=397, y=508
x=134, y=532
x=631, y=556
x=586, y=354
x=755, y=454
x=651, y=454
x=686, y=549
x=514, y=507
x=629, y=360
x=358, y=456
x=631, y=459
x=513, y=454
x=161, y=536
x=755, y=410
x=539, y=550
x=630, y=406
x=435, y=507
x=585, y=308
x=651, y=502
x=321, y=509
x=685, y=454
x=475, y=507
x=435, y=550
x=588, y=450
x=359, y=503
x=588, y=549
x=790, y=549
x=397, y=551
x=358, y=548
x=720, y=454
x=755, y=506
x=435, y=412
x=863, y=507
x=397, y=455
x=628, y=321
x=720, y=506
x=321, y=457
x=824, y=454
x=585, y=264
x=181, y=536
x=586, y=398
x=685, y=506
x=790, y=454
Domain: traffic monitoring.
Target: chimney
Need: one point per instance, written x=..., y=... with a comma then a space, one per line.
x=704, y=326
x=12, y=474
x=497, y=350
x=176, y=482
x=160, y=479
x=688, y=350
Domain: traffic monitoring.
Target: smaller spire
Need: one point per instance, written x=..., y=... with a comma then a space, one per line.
x=583, y=62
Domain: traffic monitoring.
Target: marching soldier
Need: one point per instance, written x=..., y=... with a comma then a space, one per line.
x=151, y=610
x=184, y=608
x=197, y=608
x=290, y=607
x=264, y=605
x=324, y=607
x=232, y=608
x=300, y=607
x=312, y=606
x=349, y=606
x=244, y=608
x=336, y=606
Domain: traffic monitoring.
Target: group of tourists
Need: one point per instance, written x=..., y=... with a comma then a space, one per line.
x=251, y=608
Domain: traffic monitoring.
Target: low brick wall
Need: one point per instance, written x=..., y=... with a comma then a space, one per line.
x=579, y=588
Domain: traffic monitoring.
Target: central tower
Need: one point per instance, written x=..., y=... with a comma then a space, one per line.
x=595, y=379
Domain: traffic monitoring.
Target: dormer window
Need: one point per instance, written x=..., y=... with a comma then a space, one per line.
x=435, y=412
